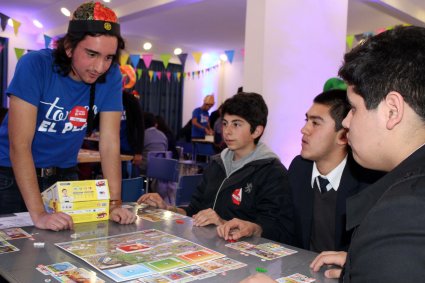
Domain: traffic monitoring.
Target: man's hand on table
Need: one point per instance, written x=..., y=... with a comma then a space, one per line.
x=206, y=217
x=122, y=215
x=153, y=199
x=237, y=228
x=55, y=221
x=330, y=257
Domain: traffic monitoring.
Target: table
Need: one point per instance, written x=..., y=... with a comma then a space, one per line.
x=20, y=266
x=88, y=156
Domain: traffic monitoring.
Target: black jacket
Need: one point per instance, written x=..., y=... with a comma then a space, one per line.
x=265, y=200
x=388, y=243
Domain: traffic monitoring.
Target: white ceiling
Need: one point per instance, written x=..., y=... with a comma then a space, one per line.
x=197, y=25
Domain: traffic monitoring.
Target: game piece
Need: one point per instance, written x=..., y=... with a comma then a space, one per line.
x=38, y=245
x=231, y=241
x=179, y=221
x=261, y=270
x=75, y=236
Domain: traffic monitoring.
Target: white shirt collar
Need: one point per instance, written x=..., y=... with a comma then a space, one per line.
x=334, y=177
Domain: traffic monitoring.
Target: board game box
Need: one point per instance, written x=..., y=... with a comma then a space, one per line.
x=84, y=201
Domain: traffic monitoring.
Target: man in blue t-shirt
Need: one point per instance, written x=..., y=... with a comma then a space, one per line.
x=200, y=118
x=54, y=97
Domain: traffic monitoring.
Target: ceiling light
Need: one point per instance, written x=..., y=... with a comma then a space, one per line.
x=177, y=51
x=37, y=23
x=65, y=11
x=106, y=1
x=147, y=46
x=10, y=22
x=223, y=57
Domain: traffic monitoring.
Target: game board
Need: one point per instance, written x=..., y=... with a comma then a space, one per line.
x=149, y=254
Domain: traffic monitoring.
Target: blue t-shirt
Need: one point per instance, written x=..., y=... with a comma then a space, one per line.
x=202, y=117
x=62, y=106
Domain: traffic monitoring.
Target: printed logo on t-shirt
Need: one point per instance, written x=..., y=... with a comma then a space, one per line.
x=78, y=116
x=204, y=118
x=237, y=196
x=58, y=119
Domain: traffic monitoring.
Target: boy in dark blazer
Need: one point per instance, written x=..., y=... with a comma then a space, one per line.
x=319, y=207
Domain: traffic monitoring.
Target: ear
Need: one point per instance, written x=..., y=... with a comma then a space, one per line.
x=258, y=131
x=341, y=137
x=394, y=108
x=68, y=49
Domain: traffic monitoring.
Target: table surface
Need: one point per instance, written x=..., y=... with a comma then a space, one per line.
x=87, y=156
x=21, y=266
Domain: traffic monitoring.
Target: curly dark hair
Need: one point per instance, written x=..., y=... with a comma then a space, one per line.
x=250, y=106
x=390, y=61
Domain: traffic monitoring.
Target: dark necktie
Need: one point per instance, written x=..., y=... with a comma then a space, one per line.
x=323, y=183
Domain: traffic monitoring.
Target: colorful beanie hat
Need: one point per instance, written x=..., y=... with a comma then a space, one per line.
x=94, y=17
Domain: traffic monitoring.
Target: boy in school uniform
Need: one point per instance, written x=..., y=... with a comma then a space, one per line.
x=246, y=181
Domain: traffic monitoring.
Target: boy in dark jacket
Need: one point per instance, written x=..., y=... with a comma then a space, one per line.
x=246, y=181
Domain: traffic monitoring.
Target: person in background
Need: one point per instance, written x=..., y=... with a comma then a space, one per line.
x=154, y=140
x=132, y=133
x=163, y=127
x=246, y=181
x=50, y=112
x=324, y=176
x=200, y=118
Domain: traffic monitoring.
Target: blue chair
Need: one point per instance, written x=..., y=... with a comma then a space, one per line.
x=186, y=187
x=203, y=149
x=162, y=154
x=162, y=169
x=131, y=189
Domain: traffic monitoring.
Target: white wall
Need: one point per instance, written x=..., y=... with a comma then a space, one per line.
x=290, y=52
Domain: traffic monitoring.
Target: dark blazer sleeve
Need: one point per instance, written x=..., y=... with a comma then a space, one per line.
x=299, y=173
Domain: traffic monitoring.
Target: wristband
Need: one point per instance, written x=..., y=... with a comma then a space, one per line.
x=115, y=202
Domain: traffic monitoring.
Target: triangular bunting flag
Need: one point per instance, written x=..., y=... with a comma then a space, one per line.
x=150, y=73
x=147, y=58
x=16, y=26
x=1, y=47
x=165, y=58
x=350, y=39
x=230, y=54
x=168, y=74
x=124, y=58
x=182, y=58
x=139, y=73
x=4, y=20
x=134, y=58
x=243, y=52
x=197, y=56
x=378, y=31
x=47, y=40
x=159, y=75
x=19, y=52
x=154, y=76
x=179, y=74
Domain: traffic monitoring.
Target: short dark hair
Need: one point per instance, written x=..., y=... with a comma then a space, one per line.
x=70, y=40
x=250, y=106
x=336, y=99
x=390, y=61
x=149, y=119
